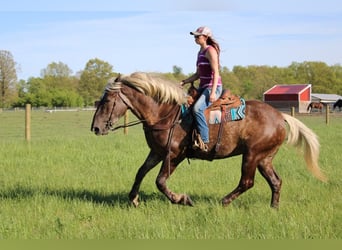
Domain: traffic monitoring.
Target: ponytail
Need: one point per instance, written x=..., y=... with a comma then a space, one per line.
x=212, y=42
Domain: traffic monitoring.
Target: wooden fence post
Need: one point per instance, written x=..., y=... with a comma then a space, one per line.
x=28, y=122
x=293, y=111
x=327, y=115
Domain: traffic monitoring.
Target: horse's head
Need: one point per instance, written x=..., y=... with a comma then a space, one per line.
x=110, y=108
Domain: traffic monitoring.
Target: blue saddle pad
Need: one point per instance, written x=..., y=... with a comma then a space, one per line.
x=231, y=114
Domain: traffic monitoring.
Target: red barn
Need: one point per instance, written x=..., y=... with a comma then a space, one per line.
x=285, y=97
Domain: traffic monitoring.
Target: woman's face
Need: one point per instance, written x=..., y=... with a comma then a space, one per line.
x=201, y=39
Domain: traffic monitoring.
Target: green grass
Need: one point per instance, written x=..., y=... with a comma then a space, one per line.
x=69, y=184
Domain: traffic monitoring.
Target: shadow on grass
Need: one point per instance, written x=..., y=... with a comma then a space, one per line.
x=112, y=199
x=71, y=194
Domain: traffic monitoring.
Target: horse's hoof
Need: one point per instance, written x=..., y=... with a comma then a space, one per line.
x=135, y=201
x=182, y=199
x=186, y=200
x=275, y=206
x=189, y=202
x=226, y=202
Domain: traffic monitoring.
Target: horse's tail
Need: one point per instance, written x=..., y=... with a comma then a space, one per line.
x=300, y=135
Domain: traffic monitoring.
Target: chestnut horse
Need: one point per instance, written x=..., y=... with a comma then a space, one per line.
x=157, y=104
x=315, y=105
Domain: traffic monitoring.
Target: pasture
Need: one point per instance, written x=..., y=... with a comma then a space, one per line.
x=66, y=183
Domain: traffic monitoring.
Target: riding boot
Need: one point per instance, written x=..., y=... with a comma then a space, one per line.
x=199, y=144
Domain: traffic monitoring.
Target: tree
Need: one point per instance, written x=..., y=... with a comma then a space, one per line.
x=8, y=76
x=322, y=78
x=93, y=80
x=56, y=69
x=58, y=75
x=177, y=70
x=337, y=70
x=38, y=94
x=230, y=81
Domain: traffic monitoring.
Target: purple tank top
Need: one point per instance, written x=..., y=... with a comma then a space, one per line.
x=205, y=72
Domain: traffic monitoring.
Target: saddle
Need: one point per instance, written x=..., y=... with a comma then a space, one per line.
x=227, y=99
x=226, y=102
x=228, y=107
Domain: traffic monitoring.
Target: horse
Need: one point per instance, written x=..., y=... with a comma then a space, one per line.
x=157, y=103
x=338, y=104
x=315, y=105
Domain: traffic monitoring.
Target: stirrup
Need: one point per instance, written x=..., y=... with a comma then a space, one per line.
x=199, y=144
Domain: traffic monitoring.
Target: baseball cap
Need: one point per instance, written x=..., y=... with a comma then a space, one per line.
x=203, y=30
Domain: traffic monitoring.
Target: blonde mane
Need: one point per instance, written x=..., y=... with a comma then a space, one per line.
x=153, y=85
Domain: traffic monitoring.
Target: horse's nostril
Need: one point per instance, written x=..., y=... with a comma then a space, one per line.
x=96, y=130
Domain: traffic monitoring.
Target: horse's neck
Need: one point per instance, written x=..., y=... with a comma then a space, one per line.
x=151, y=112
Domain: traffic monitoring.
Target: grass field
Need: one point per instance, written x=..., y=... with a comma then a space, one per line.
x=69, y=184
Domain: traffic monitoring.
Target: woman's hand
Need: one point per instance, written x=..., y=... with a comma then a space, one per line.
x=212, y=97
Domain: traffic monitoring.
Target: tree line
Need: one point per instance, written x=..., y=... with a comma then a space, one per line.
x=57, y=86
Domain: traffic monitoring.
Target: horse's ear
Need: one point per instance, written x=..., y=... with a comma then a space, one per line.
x=118, y=78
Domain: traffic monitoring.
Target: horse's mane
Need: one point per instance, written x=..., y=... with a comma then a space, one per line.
x=153, y=85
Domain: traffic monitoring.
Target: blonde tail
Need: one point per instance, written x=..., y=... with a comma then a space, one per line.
x=300, y=135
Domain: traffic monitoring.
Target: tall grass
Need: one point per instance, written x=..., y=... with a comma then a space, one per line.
x=69, y=184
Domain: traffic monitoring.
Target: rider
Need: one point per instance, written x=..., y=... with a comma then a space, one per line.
x=210, y=86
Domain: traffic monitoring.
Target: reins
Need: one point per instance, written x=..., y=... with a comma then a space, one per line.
x=169, y=139
x=154, y=127
x=130, y=124
x=133, y=123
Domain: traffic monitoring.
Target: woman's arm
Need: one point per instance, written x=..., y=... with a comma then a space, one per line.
x=214, y=63
x=192, y=78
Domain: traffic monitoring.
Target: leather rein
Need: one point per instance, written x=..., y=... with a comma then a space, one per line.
x=156, y=126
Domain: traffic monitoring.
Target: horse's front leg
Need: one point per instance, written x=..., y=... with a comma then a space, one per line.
x=165, y=172
x=151, y=161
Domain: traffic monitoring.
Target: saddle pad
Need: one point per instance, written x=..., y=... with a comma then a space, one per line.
x=231, y=114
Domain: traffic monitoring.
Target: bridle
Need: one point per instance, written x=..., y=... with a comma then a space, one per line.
x=157, y=126
x=109, y=123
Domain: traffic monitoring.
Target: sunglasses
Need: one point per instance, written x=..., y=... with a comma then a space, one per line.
x=197, y=36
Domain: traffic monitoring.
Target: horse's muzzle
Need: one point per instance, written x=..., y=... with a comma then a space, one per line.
x=98, y=131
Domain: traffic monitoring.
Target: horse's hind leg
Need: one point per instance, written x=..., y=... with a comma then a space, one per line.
x=248, y=169
x=151, y=161
x=274, y=181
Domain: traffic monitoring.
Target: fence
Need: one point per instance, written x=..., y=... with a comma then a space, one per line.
x=28, y=109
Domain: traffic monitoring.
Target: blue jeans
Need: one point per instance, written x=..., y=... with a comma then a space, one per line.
x=199, y=107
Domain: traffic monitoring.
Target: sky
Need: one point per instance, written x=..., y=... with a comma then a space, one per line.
x=153, y=35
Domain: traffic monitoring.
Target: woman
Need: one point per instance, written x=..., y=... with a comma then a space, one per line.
x=210, y=86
